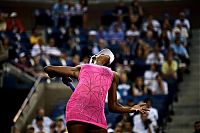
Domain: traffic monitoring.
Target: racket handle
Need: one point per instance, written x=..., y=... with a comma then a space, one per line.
x=68, y=81
x=71, y=85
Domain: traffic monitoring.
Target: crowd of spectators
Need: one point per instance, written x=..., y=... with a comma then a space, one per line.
x=151, y=55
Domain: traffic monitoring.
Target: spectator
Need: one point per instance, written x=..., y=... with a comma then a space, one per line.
x=23, y=63
x=156, y=56
x=52, y=50
x=84, y=6
x=183, y=21
x=124, y=88
x=153, y=112
x=60, y=13
x=139, y=66
x=197, y=127
x=139, y=89
x=75, y=61
x=102, y=33
x=53, y=128
x=119, y=22
x=150, y=75
x=3, y=24
x=118, y=128
x=73, y=48
x=39, y=125
x=4, y=49
x=125, y=56
x=169, y=67
x=150, y=20
x=136, y=20
x=85, y=60
x=101, y=45
x=127, y=127
x=142, y=124
x=41, y=119
x=132, y=41
x=60, y=127
x=159, y=86
x=92, y=41
x=135, y=8
x=120, y=9
x=14, y=24
x=30, y=129
x=37, y=66
x=149, y=39
x=169, y=70
x=116, y=33
x=39, y=48
x=35, y=35
x=181, y=33
x=181, y=52
x=164, y=40
x=167, y=28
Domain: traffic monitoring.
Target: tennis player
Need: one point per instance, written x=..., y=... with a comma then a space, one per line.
x=85, y=108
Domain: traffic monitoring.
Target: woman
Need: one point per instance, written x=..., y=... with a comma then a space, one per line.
x=139, y=89
x=85, y=108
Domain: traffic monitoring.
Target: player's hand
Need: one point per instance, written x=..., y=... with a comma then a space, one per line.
x=50, y=74
x=142, y=108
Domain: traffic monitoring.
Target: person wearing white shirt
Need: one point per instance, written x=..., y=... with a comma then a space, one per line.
x=142, y=124
x=153, y=112
x=183, y=20
x=39, y=48
x=150, y=75
x=159, y=86
x=39, y=126
x=156, y=56
x=46, y=120
x=154, y=22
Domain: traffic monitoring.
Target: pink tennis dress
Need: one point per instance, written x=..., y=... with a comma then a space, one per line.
x=86, y=104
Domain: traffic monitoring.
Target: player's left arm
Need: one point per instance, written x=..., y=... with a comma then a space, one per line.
x=113, y=104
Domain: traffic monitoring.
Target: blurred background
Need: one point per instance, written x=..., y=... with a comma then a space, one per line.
x=156, y=45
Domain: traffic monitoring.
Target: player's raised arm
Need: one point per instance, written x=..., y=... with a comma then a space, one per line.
x=62, y=71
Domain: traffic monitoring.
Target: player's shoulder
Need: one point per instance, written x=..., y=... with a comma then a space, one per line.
x=115, y=75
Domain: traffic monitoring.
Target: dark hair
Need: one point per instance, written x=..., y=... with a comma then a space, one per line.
x=39, y=118
x=147, y=99
x=196, y=122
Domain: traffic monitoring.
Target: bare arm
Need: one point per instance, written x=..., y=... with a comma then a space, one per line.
x=62, y=71
x=114, y=106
